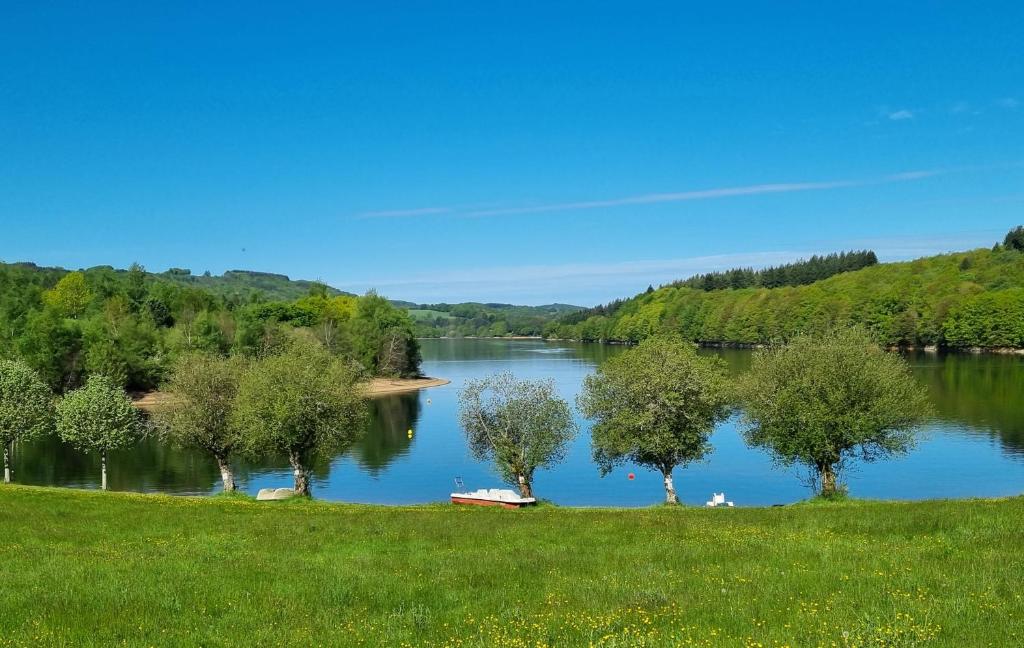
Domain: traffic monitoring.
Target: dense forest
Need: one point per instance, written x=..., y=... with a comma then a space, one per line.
x=485, y=320
x=799, y=273
x=131, y=324
x=962, y=300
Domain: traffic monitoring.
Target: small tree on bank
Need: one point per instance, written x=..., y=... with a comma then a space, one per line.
x=520, y=425
x=202, y=398
x=99, y=417
x=302, y=403
x=820, y=401
x=655, y=405
x=26, y=408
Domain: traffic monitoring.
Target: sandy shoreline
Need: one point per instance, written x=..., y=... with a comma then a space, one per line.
x=376, y=387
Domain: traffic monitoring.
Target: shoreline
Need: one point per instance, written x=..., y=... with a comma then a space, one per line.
x=376, y=388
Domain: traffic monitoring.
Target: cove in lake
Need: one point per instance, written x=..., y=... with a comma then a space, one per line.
x=973, y=448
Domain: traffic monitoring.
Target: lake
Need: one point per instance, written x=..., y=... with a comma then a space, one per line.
x=973, y=448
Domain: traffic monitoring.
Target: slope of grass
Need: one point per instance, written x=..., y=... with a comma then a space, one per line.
x=94, y=569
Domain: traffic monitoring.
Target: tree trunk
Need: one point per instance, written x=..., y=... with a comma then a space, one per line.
x=103, y=469
x=525, y=487
x=226, y=475
x=670, y=489
x=7, y=462
x=827, y=473
x=301, y=475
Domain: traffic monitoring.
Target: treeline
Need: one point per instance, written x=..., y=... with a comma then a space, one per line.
x=959, y=301
x=485, y=320
x=131, y=325
x=798, y=273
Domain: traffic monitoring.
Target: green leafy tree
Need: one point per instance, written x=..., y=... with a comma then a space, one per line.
x=1015, y=239
x=99, y=417
x=520, y=425
x=26, y=407
x=202, y=391
x=71, y=296
x=655, y=405
x=301, y=403
x=823, y=400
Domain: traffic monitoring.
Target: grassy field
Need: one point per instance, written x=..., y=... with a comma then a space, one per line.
x=85, y=568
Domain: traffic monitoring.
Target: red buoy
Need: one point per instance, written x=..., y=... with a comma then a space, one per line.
x=631, y=476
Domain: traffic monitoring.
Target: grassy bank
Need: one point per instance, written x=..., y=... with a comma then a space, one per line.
x=84, y=568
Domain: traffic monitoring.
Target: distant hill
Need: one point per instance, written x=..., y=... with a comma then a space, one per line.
x=241, y=283
x=484, y=320
x=960, y=300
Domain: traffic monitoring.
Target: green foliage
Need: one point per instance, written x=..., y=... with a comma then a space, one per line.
x=655, y=405
x=956, y=300
x=485, y=320
x=520, y=425
x=98, y=417
x=70, y=297
x=822, y=400
x=26, y=405
x=131, y=325
x=1015, y=239
x=202, y=390
x=302, y=403
x=383, y=338
x=798, y=273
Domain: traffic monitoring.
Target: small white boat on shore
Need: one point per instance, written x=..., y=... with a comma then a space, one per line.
x=493, y=497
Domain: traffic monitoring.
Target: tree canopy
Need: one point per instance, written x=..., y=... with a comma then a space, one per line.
x=202, y=391
x=26, y=407
x=301, y=403
x=99, y=417
x=822, y=400
x=520, y=425
x=655, y=405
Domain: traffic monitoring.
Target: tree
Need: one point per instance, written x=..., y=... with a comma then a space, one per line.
x=820, y=401
x=26, y=407
x=520, y=425
x=655, y=405
x=70, y=297
x=301, y=403
x=99, y=417
x=1015, y=239
x=202, y=391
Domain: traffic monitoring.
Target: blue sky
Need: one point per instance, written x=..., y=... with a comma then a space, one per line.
x=508, y=151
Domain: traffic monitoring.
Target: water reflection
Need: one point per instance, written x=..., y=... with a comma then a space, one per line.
x=975, y=448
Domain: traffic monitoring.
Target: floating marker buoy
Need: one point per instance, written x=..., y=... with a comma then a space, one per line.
x=428, y=401
x=631, y=476
x=410, y=434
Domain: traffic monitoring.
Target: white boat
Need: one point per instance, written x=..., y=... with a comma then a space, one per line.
x=493, y=497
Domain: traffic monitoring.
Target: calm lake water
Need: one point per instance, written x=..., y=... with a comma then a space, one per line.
x=974, y=447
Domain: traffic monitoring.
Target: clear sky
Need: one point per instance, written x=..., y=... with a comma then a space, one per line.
x=505, y=151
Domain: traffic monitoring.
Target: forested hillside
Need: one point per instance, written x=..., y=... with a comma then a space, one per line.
x=484, y=320
x=960, y=300
x=131, y=325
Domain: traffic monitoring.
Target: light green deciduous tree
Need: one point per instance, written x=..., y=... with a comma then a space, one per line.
x=520, y=425
x=655, y=405
x=26, y=407
x=301, y=403
x=99, y=417
x=198, y=412
x=822, y=400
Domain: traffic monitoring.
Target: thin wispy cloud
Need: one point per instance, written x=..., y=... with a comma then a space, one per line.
x=1008, y=102
x=670, y=197
x=900, y=115
x=399, y=213
x=593, y=283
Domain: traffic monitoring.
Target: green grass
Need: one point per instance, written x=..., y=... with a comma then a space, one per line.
x=85, y=568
